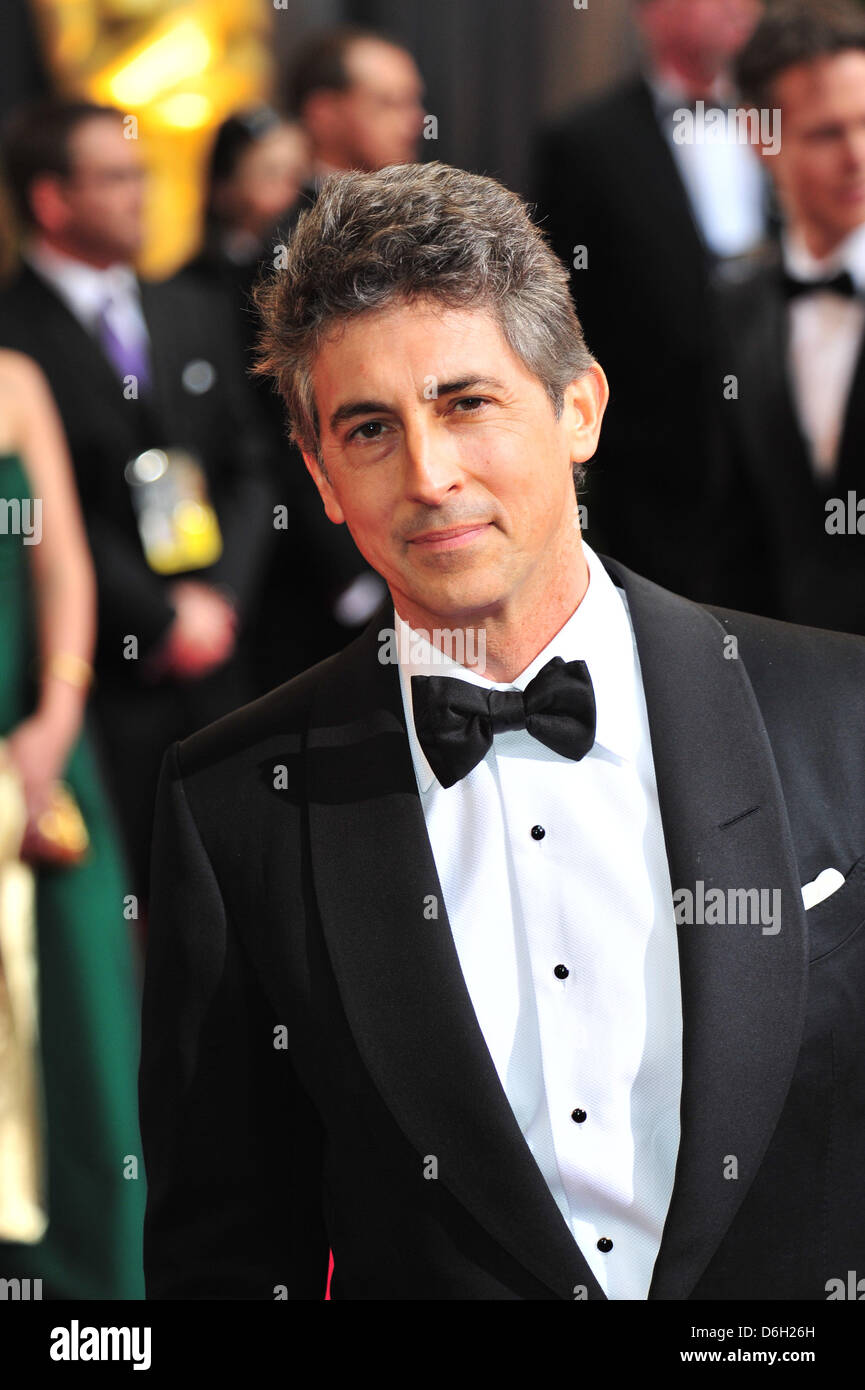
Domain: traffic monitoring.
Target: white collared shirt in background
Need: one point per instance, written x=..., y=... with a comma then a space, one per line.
x=824, y=341
x=593, y=895
x=85, y=288
x=722, y=178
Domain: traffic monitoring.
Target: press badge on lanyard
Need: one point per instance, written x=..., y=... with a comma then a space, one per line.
x=177, y=524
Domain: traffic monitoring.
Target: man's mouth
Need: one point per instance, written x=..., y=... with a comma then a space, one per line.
x=448, y=538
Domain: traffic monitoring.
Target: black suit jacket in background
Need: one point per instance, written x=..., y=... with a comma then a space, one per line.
x=309, y=1042
x=104, y=430
x=136, y=717
x=607, y=180
x=777, y=548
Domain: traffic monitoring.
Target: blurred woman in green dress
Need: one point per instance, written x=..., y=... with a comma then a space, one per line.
x=88, y=991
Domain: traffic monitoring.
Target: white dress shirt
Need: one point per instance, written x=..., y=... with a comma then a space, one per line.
x=592, y=895
x=824, y=340
x=722, y=178
x=88, y=289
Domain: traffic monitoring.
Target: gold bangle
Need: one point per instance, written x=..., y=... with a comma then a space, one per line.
x=69, y=667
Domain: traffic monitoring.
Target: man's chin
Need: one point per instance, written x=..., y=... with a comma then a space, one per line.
x=458, y=603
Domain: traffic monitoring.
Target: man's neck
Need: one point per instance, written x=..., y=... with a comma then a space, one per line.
x=512, y=638
x=331, y=162
x=696, y=81
x=819, y=241
x=241, y=244
x=60, y=246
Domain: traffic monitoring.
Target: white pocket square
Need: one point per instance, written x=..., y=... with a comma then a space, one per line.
x=826, y=883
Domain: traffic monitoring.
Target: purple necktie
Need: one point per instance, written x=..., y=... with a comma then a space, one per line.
x=127, y=358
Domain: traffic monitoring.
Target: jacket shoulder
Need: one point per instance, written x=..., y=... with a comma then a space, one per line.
x=742, y=287
x=598, y=116
x=793, y=667
x=185, y=293
x=248, y=730
x=20, y=298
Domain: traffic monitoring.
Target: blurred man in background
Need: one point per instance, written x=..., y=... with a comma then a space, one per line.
x=259, y=162
x=138, y=369
x=358, y=95
x=795, y=330
x=640, y=218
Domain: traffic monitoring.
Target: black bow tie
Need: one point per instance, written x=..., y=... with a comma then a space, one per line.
x=455, y=720
x=842, y=283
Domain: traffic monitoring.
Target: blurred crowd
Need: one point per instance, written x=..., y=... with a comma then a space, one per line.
x=185, y=564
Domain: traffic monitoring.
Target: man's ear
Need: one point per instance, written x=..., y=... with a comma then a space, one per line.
x=48, y=201
x=321, y=114
x=585, y=402
x=332, y=508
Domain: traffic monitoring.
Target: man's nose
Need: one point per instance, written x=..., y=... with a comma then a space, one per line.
x=432, y=467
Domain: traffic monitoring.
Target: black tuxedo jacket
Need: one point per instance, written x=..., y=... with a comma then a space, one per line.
x=105, y=430
x=309, y=1044
x=606, y=179
x=787, y=564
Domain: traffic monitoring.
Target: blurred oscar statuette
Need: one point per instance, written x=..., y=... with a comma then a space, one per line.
x=23, y=1215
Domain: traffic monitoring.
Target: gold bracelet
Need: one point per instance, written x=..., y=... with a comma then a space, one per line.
x=69, y=667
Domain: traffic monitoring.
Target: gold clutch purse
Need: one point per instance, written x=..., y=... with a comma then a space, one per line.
x=58, y=835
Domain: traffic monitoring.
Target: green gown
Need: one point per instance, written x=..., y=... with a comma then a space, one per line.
x=89, y=1006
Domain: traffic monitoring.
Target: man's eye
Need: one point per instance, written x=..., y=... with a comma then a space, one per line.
x=471, y=401
x=368, y=425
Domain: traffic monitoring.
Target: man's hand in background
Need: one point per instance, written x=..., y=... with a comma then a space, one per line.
x=203, y=634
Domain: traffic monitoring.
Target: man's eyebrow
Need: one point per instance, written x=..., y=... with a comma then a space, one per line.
x=351, y=409
x=468, y=383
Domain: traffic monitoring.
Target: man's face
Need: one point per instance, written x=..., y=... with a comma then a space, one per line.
x=462, y=500
x=97, y=211
x=380, y=115
x=820, y=168
x=267, y=181
x=704, y=33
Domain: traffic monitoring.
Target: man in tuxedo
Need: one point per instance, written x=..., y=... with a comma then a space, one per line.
x=795, y=344
x=136, y=366
x=433, y=977
x=641, y=216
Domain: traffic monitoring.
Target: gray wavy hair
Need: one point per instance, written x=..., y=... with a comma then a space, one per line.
x=415, y=231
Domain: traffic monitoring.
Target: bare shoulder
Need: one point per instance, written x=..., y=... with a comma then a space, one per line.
x=18, y=371
x=29, y=421
x=14, y=392
x=23, y=388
